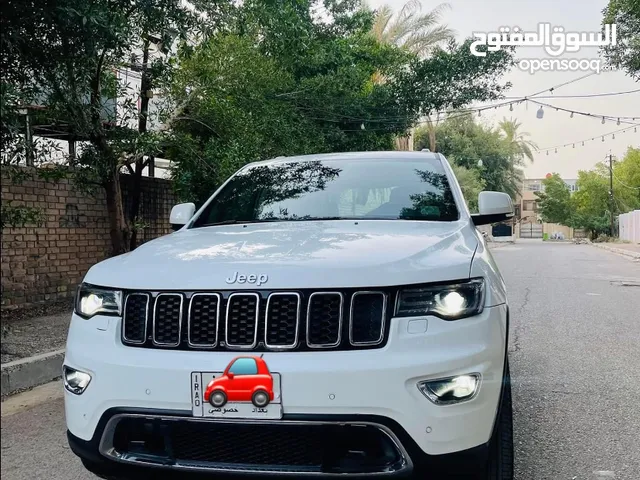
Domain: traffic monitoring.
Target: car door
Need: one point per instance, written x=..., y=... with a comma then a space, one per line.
x=244, y=372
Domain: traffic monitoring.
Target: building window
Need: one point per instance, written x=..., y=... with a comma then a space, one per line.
x=529, y=206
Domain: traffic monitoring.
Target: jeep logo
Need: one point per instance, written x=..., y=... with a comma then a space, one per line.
x=257, y=279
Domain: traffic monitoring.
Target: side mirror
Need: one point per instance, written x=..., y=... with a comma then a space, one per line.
x=181, y=214
x=230, y=375
x=493, y=207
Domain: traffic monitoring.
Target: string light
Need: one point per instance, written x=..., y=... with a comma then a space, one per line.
x=540, y=113
x=618, y=122
x=511, y=107
x=583, y=142
x=571, y=115
x=603, y=120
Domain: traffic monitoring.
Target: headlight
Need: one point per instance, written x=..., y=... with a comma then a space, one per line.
x=92, y=300
x=450, y=302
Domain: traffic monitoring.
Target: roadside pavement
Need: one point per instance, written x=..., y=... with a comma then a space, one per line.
x=628, y=249
x=32, y=350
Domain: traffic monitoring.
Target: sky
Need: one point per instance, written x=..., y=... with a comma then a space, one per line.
x=556, y=127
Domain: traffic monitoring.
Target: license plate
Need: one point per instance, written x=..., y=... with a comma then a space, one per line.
x=201, y=408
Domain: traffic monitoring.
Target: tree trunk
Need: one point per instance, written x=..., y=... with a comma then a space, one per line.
x=145, y=87
x=118, y=227
x=135, y=193
x=431, y=128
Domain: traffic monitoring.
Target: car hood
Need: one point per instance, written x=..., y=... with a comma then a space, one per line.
x=320, y=254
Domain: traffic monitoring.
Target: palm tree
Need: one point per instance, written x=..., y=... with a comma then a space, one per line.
x=412, y=29
x=520, y=144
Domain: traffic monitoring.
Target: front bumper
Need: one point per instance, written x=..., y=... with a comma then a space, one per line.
x=100, y=456
x=380, y=383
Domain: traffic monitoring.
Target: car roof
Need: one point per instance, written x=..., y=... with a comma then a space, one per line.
x=380, y=155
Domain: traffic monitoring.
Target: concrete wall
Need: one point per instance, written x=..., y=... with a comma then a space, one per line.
x=629, y=226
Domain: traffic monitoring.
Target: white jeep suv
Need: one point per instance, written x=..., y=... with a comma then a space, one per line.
x=320, y=316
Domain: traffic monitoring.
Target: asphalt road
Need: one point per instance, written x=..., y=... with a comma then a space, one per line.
x=575, y=363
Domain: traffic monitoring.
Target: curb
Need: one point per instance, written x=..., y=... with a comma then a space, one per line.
x=620, y=251
x=31, y=372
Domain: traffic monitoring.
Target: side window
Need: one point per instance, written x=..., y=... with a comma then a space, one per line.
x=244, y=366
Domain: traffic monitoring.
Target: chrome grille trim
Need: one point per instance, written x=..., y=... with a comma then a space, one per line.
x=382, y=320
x=266, y=321
x=330, y=345
x=153, y=325
x=226, y=322
x=204, y=345
x=146, y=318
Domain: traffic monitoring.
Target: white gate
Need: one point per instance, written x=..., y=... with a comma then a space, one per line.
x=530, y=230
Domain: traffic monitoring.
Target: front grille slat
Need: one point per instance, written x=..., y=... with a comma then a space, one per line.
x=167, y=319
x=324, y=319
x=241, y=324
x=203, y=318
x=134, y=320
x=260, y=321
x=367, y=315
x=282, y=320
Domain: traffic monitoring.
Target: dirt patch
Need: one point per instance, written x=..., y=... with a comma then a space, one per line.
x=28, y=336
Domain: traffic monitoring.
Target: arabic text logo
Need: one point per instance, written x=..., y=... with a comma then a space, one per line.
x=554, y=40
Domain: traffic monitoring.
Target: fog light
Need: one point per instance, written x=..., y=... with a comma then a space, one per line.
x=75, y=381
x=445, y=391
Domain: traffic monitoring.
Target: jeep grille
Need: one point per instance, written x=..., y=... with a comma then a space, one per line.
x=257, y=321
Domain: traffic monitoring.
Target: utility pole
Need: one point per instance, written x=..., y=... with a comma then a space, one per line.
x=611, y=190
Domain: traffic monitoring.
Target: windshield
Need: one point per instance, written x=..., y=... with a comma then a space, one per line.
x=335, y=189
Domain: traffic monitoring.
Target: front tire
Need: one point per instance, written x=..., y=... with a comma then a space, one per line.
x=500, y=463
x=218, y=399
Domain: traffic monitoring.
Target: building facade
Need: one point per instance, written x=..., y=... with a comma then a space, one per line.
x=529, y=223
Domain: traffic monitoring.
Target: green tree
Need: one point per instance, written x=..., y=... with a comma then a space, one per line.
x=518, y=141
x=471, y=185
x=63, y=57
x=591, y=201
x=282, y=83
x=467, y=144
x=410, y=28
x=554, y=203
x=625, y=54
x=626, y=181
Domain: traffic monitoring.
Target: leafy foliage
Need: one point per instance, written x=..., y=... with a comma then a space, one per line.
x=282, y=83
x=590, y=206
x=626, y=53
x=410, y=28
x=20, y=215
x=465, y=143
x=61, y=60
x=554, y=203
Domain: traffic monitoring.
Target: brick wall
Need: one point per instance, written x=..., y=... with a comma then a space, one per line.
x=47, y=262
